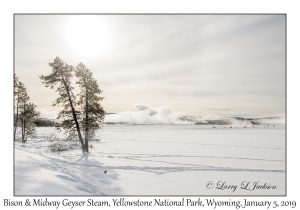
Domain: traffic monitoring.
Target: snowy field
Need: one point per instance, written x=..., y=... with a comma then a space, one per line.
x=157, y=160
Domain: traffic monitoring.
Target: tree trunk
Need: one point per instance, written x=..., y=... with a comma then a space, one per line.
x=23, y=125
x=22, y=130
x=74, y=115
x=86, y=122
x=16, y=118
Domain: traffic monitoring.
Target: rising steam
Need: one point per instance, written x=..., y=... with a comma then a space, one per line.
x=146, y=114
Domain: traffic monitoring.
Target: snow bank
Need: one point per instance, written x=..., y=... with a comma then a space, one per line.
x=40, y=172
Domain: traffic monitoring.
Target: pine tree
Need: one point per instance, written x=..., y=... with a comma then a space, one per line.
x=21, y=98
x=89, y=99
x=16, y=104
x=61, y=76
x=25, y=112
x=27, y=116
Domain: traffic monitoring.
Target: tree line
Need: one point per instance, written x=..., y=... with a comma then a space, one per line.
x=46, y=123
x=81, y=115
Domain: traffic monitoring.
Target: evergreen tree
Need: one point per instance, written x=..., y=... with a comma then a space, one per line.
x=92, y=114
x=27, y=116
x=16, y=104
x=21, y=97
x=43, y=122
x=25, y=112
x=61, y=76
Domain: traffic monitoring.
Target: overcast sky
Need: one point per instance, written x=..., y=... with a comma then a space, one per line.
x=230, y=65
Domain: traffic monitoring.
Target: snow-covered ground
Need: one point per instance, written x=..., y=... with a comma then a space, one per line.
x=157, y=160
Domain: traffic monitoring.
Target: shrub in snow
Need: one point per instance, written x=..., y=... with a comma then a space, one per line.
x=50, y=137
x=61, y=146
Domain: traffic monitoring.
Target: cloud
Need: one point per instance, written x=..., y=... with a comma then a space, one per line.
x=194, y=62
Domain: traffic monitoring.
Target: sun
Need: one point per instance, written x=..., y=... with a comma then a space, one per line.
x=88, y=36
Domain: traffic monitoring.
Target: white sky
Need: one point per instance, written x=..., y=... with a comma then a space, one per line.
x=197, y=64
